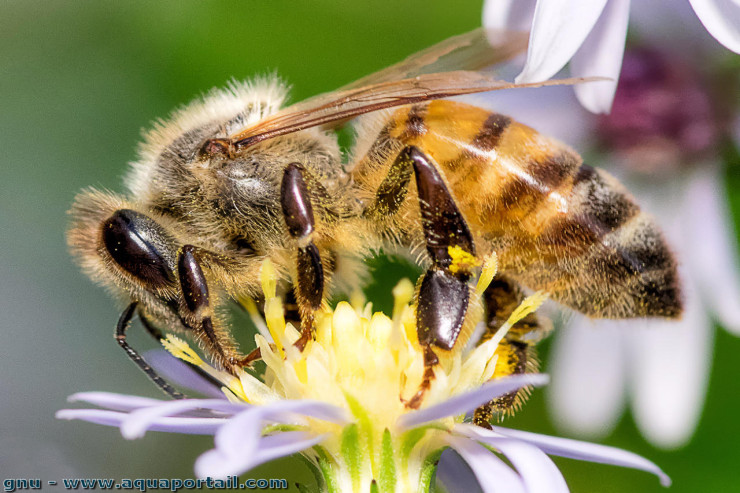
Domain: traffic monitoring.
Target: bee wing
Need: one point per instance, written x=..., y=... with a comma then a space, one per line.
x=429, y=74
x=474, y=50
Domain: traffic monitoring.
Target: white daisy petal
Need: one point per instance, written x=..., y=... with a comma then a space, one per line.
x=670, y=369
x=601, y=56
x=722, y=20
x=710, y=244
x=217, y=465
x=116, y=402
x=493, y=475
x=559, y=28
x=138, y=421
x=575, y=449
x=588, y=367
x=192, y=426
x=468, y=401
x=514, y=15
x=538, y=472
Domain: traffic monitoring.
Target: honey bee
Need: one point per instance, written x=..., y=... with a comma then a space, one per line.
x=237, y=178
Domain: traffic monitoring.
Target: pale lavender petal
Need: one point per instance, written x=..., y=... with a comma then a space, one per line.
x=217, y=465
x=192, y=426
x=575, y=449
x=538, y=472
x=178, y=372
x=601, y=56
x=670, y=370
x=468, y=401
x=455, y=474
x=514, y=15
x=138, y=422
x=710, y=245
x=117, y=402
x=558, y=30
x=493, y=475
x=240, y=435
x=722, y=20
x=588, y=366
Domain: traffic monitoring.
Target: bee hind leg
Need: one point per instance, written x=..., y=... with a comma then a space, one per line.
x=516, y=352
x=443, y=292
x=299, y=218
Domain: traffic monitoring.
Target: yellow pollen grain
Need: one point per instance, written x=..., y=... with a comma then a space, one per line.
x=462, y=261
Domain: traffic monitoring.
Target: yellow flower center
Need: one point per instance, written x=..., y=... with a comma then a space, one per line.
x=368, y=364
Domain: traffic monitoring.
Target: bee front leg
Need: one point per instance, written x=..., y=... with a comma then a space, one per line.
x=299, y=219
x=197, y=312
x=121, y=327
x=444, y=292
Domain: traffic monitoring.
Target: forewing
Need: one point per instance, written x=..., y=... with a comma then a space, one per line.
x=443, y=70
x=341, y=105
x=474, y=50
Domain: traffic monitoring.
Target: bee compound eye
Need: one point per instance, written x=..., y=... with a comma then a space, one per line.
x=139, y=245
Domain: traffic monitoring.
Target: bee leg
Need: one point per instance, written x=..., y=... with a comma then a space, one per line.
x=121, y=327
x=197, y=313
x=444, y=292
x=516, y=351
x=393, y=189
x=159, y=337
x=299, y=219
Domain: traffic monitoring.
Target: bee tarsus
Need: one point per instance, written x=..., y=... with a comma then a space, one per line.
x=121, y=327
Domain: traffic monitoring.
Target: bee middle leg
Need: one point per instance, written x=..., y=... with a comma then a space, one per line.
x=444, y=293
x=299, y=218
x=197, y=314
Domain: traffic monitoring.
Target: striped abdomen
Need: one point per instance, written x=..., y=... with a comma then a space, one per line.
x=555, y=223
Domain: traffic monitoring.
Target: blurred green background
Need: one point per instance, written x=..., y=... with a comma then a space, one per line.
x=78, y=80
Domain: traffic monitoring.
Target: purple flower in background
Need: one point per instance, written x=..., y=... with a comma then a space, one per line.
x=590, y=34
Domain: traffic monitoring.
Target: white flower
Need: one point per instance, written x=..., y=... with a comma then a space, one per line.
x=340, y=403
x=663, y=135
x=663, y=365
x=591, y=35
